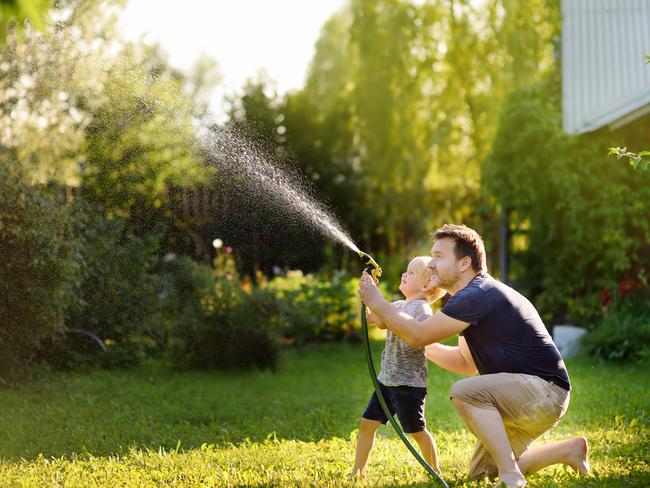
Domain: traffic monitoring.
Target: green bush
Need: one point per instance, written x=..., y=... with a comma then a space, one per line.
x=623, y=334
x=39, y=272
x=580, y=219
x=120, y=286
x=183, y=282
x=235, y=338
x=315, y=308
x=221, y=325
x=116, y=289
x=128, y=354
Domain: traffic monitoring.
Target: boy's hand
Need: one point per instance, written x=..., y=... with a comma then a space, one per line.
x=368, y=291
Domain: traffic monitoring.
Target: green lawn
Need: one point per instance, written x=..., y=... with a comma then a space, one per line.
x=294, y=427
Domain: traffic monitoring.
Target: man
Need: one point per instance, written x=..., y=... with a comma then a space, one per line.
x=523, y=386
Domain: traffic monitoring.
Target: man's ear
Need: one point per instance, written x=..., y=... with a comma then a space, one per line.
x=465, y=264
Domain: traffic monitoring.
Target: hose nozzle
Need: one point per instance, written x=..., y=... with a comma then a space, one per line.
x=372, y=267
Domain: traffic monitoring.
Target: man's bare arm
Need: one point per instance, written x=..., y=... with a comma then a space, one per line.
x=453, y=358
x=418, y=334
x=436, y=328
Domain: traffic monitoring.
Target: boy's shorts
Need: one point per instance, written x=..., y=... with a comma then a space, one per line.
x=528, y=405
x=406, y=401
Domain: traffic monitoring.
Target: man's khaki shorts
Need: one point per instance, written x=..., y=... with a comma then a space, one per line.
x=528, y=405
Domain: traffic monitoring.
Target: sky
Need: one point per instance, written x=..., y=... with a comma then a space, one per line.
x=243, y=36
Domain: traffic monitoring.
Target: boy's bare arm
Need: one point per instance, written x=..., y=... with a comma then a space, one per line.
x=371, y=318
x=374, y=320
x=418, y=334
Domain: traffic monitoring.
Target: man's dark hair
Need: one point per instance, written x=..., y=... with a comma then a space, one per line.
x=467, y=243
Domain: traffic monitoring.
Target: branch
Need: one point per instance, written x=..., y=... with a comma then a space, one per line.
x=637, y=161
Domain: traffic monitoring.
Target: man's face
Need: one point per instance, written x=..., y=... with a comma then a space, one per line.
x=446, y=268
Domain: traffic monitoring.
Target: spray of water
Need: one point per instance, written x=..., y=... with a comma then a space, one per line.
x=234, y=154
x=238, y=157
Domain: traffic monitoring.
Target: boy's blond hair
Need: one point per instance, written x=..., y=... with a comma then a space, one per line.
x=419, y=265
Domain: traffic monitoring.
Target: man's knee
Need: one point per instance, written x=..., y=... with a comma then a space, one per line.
x=458, y=394
x=471, y=392
x=459, y=405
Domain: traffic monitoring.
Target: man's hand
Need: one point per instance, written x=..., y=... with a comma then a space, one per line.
x=368, y=291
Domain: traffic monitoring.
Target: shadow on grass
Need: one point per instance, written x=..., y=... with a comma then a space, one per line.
x=318, y=393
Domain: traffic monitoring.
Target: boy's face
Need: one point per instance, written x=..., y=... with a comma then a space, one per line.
x=410, y=284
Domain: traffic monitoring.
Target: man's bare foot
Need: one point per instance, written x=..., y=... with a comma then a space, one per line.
x=510, y=480
x=579, y=459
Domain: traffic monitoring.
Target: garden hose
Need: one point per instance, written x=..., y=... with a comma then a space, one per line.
x=373, y=269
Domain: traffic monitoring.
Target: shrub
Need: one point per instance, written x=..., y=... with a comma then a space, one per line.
x=222, y=326
x=183, y=282
x=623, y=334
x=116, y=293
x=311, y=307
x=39, y=273
x=120, y=288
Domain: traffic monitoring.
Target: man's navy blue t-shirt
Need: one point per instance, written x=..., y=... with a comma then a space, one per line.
x=506, y=334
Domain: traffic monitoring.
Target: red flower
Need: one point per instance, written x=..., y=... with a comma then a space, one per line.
x=628, y=286
x=605, y=297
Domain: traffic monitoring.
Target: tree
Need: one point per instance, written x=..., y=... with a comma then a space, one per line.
x=264, y=233
x=50, y=83
x=582, y=224
x=16, y=11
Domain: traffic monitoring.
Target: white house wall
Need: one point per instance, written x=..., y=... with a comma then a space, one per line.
x=604, y=76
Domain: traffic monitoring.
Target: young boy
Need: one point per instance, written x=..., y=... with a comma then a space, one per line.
x=403, y=375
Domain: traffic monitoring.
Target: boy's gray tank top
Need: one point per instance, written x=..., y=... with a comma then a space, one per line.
x=402, y=364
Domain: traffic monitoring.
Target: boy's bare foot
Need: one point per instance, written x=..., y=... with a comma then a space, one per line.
x=579, y=459
x=356, y=471
x=510, y=480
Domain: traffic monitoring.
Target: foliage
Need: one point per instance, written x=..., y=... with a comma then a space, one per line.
x=580, y=225
x=297, y=427
x=116, y=291
x=39, y=273
x=623, y=334
x=140, y=143
x=119, y=290
x=17, y=11
x=50, y=84
x=115, y=122
x=396, y=117
x=637, y=161
x=315, y=308
x=223, y=326
x=264, y=235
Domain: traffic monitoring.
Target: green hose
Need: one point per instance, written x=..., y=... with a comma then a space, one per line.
x=380, y=397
